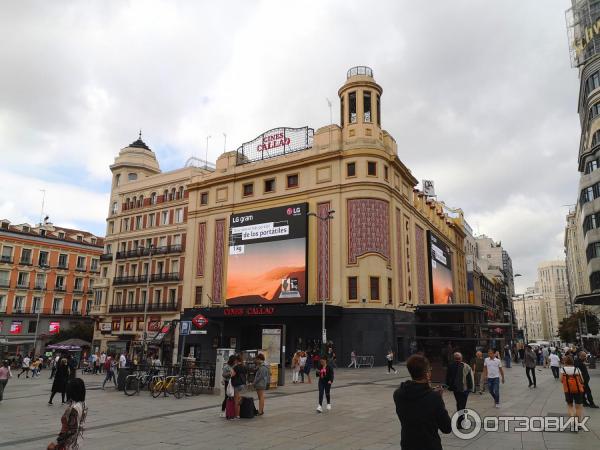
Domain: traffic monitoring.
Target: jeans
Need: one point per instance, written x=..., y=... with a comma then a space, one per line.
x=461, y=403
x=390, y=367
x=587, y=395
x=555, y=371
x=110, y=374
x=324, y=387
x=494, y=387
x=2, y=386
x=507, y=360
x=531, y=370
x=478, y=382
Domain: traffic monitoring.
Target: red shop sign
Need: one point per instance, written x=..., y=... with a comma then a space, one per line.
x=200, y=321
x=250, y=311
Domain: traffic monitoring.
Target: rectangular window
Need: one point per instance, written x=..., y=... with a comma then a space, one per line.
x=19, y=304
x=43, y=259
x=151, y=218
x=367, y=106
x=389, y=291
x=23, y=279
x=352, y=107
x=292, y=181
x=198, y=296
x=352, y=288
x=130, y=297
x=32, y=326
x=138, y=222
x=164, y=218
x=176, y=239
x=78, y=284
x=4, y=278
x=111, y=227
x=270, y=185
x=248, y=189
x=2, y=303
x=374, y=287
x=75, y=306
x=40, y=280
x=36, y=305
x=385, y=173
x=378, y=110
x=351, y=169
x=60, y=283
x=172, y=296
x=143, y=297
x=118, y=298
x=25, y=256
x=88, y=306
x=342, y=112
x=94, y=267
x=6, y=254
x=372, y=168
x=179, y=215
x=157, y=293
x=81, y=263
x=204, y=198
x=62, y=261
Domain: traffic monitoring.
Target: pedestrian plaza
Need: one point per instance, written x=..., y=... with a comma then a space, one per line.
x=363, y=416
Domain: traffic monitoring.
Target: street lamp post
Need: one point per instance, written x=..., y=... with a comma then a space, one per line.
x=324, y=218
x=145, y=333
x=39, y=310
x=526, y=336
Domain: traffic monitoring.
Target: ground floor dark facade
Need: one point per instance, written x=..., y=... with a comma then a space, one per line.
x=367, y=331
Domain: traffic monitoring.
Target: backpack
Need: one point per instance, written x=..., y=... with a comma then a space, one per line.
x=247, y=409
x=572, y=384
x=107, y=363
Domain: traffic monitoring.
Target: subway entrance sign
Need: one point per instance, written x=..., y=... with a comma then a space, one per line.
x=200, y=321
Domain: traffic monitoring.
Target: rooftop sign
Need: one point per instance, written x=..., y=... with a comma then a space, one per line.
x=275, y=142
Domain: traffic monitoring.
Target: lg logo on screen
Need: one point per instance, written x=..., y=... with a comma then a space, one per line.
x=293, y=211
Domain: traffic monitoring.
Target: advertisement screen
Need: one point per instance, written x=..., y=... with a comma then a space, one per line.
x=440, y=271
x=16, y=327
x=54, y=327
x=267, y=256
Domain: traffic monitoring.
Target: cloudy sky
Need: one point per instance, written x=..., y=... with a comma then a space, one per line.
x=479, y=95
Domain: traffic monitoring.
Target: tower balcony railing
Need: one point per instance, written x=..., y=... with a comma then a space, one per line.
x=139, y=307
x=156, y=277
x=145, y=251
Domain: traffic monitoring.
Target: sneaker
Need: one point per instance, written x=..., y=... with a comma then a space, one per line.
x=497, y=405
x=328, y=406
x=222, y=414
x=319, y=409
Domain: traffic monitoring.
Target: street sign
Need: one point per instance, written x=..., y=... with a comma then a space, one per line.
x=198, y=332
x=200, y=321
x=184, y=327
x=324, y=336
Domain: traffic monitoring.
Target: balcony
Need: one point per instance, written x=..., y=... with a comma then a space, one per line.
x=145, y=251
x=154, y=278
x=139, y=307
x=6, y=259
x=106, y=257
x=25, y=262
x=60, y=288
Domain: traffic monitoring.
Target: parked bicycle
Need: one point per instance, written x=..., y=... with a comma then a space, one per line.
x=172, y=384
x=135, y=382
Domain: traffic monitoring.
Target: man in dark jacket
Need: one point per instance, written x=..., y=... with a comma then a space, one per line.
x=588, y=400
x=459, y=379
x=421, y=410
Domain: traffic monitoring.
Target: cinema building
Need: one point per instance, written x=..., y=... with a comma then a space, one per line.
x=288, y=220
x=258, y=260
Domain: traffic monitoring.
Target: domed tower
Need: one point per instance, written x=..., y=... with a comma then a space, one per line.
x=134, y=162
x=360, y=105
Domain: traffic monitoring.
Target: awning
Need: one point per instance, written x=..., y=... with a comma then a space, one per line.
x=588, y=299
x=160, y=336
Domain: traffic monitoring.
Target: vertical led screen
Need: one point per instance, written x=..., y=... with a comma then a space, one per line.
x=267, y=256
x=440, y=271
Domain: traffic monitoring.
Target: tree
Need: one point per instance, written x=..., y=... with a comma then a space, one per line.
x=83, y=331
x=569, y=326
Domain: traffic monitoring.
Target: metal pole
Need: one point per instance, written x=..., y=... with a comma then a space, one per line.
x=525, y=318
x=37, y=324
x=145, y=334
x=324, y=330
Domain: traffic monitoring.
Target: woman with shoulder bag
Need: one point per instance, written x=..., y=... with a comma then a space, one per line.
x=573, y=388
x=238, y=381
x=226, y=374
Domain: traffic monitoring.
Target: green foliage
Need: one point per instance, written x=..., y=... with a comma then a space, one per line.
x=77, y=331
x=569, y=326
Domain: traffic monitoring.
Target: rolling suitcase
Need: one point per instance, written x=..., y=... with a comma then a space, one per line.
x=230, y=408
x=247, y=409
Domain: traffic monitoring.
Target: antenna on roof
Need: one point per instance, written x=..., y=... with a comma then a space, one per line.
x=140, y=135
x=43, y=200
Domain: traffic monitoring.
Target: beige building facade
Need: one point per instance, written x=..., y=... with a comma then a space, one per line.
x=552, y=284
x=371, y=262
x=531, y=313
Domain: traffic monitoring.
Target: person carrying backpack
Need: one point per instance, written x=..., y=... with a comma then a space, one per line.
x=226, y=375
x=262, y=379
x=573, y=388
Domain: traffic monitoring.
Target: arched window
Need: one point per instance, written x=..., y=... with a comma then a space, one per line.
x=153, y=198
x=172, y=194
x=166, y=195
x=141, y=201
x=134, y=202
x=127, y=200
x=180, y=192
x=115, y=207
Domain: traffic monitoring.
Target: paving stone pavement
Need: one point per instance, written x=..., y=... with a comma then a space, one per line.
x=363, y=416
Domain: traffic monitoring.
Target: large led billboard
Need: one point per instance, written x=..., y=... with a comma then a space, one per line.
x=267, y=256
x=440, y=271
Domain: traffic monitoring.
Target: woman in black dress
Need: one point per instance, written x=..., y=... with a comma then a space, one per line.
x=60, y=380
